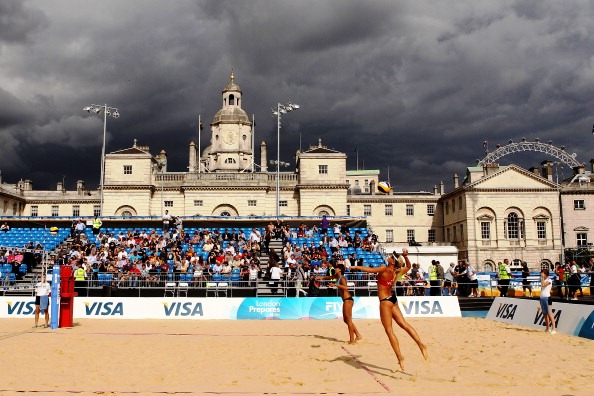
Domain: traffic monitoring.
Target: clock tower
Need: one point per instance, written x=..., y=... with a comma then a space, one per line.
x=231, y=143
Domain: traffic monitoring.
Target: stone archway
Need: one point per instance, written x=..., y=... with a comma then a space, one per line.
x=225, y=210
x=322, y=210
x=125, y=211
x=489, y=266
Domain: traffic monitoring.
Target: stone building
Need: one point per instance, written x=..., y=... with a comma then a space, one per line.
x=501, y=212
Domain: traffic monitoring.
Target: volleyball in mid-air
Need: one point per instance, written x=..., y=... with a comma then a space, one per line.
x=54, y=230
x=384, y=187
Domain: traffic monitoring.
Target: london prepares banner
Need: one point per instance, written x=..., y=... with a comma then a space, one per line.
x=572, y=319
x=234, y=308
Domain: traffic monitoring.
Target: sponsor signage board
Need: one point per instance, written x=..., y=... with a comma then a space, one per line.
x=234, y=308
x=572, y=319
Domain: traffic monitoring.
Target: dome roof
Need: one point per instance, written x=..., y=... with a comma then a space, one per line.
x=206, y=152
x=231, y=115
x=232, y=86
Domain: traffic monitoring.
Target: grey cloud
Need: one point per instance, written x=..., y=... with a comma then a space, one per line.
x=18, y=21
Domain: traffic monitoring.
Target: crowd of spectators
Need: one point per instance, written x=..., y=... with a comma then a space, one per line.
x=154, y=256
x=30, y=255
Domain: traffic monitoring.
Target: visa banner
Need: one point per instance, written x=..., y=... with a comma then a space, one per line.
x=572, y=319
x=234, y=308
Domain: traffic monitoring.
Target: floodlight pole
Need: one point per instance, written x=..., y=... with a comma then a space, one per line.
x=103, y=158
x=280, y=108
x=114, y=113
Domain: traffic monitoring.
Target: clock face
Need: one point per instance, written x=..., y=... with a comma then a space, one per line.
x=229, y=137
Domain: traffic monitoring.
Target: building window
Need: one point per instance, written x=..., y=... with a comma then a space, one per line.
x=323, y=169
x=461, y=232
x=460, y=203
x=513, y=226
x=389, y=236
x=34, y=210
x=225, y=213
x=283, y=203
x=198, y=202
x=230, y=161
x=431, y=235
x=75, y=210
x=366, y=210
x=14, y=209
x=485, y=230
x=447, y=207
x=455, y=234
x=430, y=210
x=582, y=239
x=410, y=210
x=127, y=169
x=541, y=230
x=348, y=211
x=251, y=202
x=448, y=239
x=168, y=204
x=410, y=236
x=97, y=210
x=357, y=183
x=578, y=204
x=389, y=210
x=55, y=210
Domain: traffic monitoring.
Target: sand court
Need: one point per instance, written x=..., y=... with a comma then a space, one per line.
x=120, y=357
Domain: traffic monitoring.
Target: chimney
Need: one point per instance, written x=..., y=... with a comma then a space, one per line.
x=456, y=181
x=80, y=187
x=263, y=157
x=579, y=170
x=534, y=170
x=59, y=186
x=372, y=187
x=490, y=169
x=591, y=168
x=435, y=189
x=441, y=188
x=547, y=169
x=192, y=164
x=28, y=185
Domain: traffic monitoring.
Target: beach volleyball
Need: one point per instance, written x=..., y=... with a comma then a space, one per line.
x=384, y=187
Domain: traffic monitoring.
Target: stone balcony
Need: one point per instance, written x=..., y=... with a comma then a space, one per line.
x=216, y=179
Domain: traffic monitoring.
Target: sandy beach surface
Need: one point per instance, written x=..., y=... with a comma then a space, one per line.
x=120, y=357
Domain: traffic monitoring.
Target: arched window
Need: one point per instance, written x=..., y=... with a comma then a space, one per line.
x=126, y=213
x=231, y=100
x=513, y=226
x=225, y=213
x=323, y=213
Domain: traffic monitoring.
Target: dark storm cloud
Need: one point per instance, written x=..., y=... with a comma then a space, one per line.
x=416, y=86
x=18, y=21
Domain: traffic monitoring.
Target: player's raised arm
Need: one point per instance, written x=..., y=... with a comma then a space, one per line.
x=367, y=269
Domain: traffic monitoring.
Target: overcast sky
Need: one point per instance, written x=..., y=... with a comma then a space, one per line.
x=416, y=85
